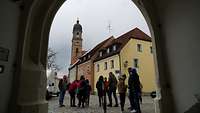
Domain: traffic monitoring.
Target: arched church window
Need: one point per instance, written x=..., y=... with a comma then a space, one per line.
x=76, y=51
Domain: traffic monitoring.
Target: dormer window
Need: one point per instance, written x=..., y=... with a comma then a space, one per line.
x=114, y=48
x=108, y=50
x=100, y=53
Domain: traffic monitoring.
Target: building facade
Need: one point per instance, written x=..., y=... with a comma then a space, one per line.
x=132, y=49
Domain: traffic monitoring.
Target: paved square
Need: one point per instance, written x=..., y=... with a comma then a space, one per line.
x=147, y=106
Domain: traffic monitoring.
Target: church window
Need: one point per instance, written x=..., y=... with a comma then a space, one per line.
x=76, y=51
x=77, y=33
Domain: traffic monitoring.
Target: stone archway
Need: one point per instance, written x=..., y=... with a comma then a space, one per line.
x=36, y=19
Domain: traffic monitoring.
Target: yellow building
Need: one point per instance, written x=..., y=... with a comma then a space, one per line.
x=132, y=49
x=106, y=65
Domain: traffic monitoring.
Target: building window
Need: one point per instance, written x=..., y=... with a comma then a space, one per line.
x=76, y=51
x=77, y=33
x=97, y=67
x=151, y=49
x=105, y=66
x=114, y=48
x=112, y=64
x=136, y=61
x=108, y=50
x=100, y=53
x=139, y=47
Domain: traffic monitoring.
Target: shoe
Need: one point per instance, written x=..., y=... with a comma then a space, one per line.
x=116, y=105
x=133, y=111
x=109, y=105
x=62, y=105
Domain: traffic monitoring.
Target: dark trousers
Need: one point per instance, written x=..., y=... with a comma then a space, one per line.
x=72, y=99
x=82, y=98
x=110, y=92
x=100, y=100
x=134, y=101
x=122, y=97
x=87, y=100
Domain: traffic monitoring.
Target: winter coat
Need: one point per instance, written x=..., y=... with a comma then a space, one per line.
x=99, y=86
x=122, y=87
x=112, y=83
x=134, y=83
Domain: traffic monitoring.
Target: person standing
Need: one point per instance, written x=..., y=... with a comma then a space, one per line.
x=122, y=88
x=134, y=90
x=82, y=92
x=106, y=83
x=72, y=92
x=88, y=90
x=112, y=87
x=63, y=84
x=99, y=86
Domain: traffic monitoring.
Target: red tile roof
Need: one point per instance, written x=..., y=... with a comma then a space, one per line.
x=122, y=40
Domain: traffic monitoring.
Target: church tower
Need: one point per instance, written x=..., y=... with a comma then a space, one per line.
x=76, y=42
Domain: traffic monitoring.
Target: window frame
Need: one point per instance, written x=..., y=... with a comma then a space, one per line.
x=139, y=47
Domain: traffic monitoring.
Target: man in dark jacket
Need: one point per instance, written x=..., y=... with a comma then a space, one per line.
x=82, y=91
x=134, y=90
x=112, y=87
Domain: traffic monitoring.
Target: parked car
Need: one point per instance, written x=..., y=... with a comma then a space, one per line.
x=52, y=84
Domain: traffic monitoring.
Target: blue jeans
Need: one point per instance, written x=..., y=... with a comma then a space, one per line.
x=61, y=98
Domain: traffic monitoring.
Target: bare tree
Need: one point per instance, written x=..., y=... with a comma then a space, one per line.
x=51, y=60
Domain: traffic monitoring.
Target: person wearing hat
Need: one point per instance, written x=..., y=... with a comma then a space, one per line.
x=122, y=88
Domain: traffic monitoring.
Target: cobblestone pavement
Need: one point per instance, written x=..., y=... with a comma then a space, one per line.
x=147, y=106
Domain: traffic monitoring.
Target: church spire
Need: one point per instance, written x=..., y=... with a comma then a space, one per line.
x=76, y=48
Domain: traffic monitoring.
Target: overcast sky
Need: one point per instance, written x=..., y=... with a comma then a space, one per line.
x=94, y=16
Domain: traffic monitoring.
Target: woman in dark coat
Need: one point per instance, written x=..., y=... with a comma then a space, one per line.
x=134, y=90
x=100, y=88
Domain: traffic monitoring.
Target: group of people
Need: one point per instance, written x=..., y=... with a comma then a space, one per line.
x=78, y=88
x=105, y=87
x=110, y=86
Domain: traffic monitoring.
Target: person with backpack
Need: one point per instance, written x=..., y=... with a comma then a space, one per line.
x=112, y=87
x=62, y=85
x=72, y=92
x=100, y=88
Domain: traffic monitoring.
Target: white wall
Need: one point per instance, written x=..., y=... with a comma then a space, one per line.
x=9, y=13
x=180, y=23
